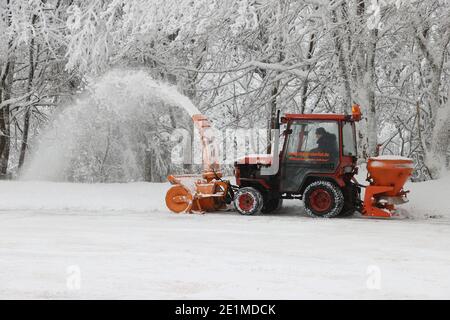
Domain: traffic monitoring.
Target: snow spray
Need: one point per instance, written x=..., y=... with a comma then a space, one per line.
x=79, y=135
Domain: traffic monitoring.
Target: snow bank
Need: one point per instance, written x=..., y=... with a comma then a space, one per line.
x=427, y=199
x=26, y=195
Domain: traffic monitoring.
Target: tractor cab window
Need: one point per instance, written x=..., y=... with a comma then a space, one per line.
x=348, y=139
x=314, y=142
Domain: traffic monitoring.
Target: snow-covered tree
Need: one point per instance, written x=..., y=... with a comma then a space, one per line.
x=239, y=61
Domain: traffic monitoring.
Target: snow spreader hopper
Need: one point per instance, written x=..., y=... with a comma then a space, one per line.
x=317, y=163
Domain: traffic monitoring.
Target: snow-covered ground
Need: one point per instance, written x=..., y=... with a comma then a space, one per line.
x=118, y=241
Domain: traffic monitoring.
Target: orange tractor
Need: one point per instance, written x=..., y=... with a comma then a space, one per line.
x=317, y=163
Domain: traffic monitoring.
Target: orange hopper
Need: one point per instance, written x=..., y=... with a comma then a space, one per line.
x=387, y=176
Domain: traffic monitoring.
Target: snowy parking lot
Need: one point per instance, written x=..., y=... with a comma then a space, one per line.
x=118, y=241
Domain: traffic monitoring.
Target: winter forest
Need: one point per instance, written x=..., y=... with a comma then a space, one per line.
x=238, y=61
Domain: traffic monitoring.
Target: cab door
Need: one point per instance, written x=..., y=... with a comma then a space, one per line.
x=303, y=155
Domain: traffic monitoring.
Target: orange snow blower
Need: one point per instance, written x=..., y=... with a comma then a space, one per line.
x=317, y=164
x=195, y=194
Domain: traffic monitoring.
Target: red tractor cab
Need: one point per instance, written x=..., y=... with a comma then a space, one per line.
x=316, y=163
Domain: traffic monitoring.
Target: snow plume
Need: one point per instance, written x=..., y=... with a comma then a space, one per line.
x=105, y=135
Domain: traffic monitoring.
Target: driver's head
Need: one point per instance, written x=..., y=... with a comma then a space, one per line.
x=320, y=132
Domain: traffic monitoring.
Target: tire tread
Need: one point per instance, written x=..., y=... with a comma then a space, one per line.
x=338, y=199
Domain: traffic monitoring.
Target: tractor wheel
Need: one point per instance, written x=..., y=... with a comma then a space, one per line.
x=272, y=205
x=248, y=201
x=323, y=199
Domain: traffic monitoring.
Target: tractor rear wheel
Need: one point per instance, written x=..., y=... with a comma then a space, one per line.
x=323, y=199
x=248, y=201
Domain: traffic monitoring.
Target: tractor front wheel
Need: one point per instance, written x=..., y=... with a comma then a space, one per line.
x=248, y=201
x=323, y=199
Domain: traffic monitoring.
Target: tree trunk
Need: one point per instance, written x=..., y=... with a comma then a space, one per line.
x=370, y=87
x=5, y=132
x=364, y=78
x=26, y=121
x=436, y=153
x=342, y=61
x=6, y=83
x=436, y=157
x=148, y=166
x=273, y=115
x=304, y=96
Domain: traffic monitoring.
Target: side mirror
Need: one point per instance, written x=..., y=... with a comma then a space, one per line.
x=287, y=131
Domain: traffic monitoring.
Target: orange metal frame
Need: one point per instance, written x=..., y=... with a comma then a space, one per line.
x=371, y=207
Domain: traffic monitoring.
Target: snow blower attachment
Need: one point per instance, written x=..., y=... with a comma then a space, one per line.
x=208, y=192
x=387, y=176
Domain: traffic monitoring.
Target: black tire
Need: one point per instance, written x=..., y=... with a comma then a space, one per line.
x=272, y=205
x=352, y=199
x=248, y=201
x=323, y=199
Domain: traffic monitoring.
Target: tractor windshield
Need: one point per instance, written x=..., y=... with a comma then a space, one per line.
x=314, y=141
